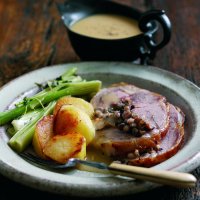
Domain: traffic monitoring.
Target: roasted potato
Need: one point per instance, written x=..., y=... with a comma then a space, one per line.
x=61, y=148
x=72, y=119
x=43, y=133
x=77, y=102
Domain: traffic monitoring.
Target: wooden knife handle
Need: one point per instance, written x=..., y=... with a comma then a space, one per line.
x=172, y=178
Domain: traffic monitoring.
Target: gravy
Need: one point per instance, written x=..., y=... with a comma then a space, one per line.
x=96, y=156
x=107, y=26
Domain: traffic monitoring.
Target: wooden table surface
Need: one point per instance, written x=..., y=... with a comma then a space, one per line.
x=33, y=36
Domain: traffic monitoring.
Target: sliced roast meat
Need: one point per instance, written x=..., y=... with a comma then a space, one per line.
x=169, y=145
x=149, y=107
x=117, y=144
x=164, y=126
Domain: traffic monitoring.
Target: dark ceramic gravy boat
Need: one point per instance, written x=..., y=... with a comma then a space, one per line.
x=140, y=46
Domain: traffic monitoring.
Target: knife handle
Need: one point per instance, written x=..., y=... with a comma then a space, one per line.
x=171, y=178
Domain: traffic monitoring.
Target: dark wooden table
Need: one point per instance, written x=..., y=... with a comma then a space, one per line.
x=33, y=36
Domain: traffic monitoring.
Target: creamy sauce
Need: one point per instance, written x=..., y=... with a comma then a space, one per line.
x=107, y=26
x=95, y=155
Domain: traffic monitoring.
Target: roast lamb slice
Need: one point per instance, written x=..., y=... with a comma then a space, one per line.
x=164, y=126
x=169, y=145
x=117, y=144
x=149, y=107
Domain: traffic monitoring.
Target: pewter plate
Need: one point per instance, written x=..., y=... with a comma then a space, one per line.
x=178, y=91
